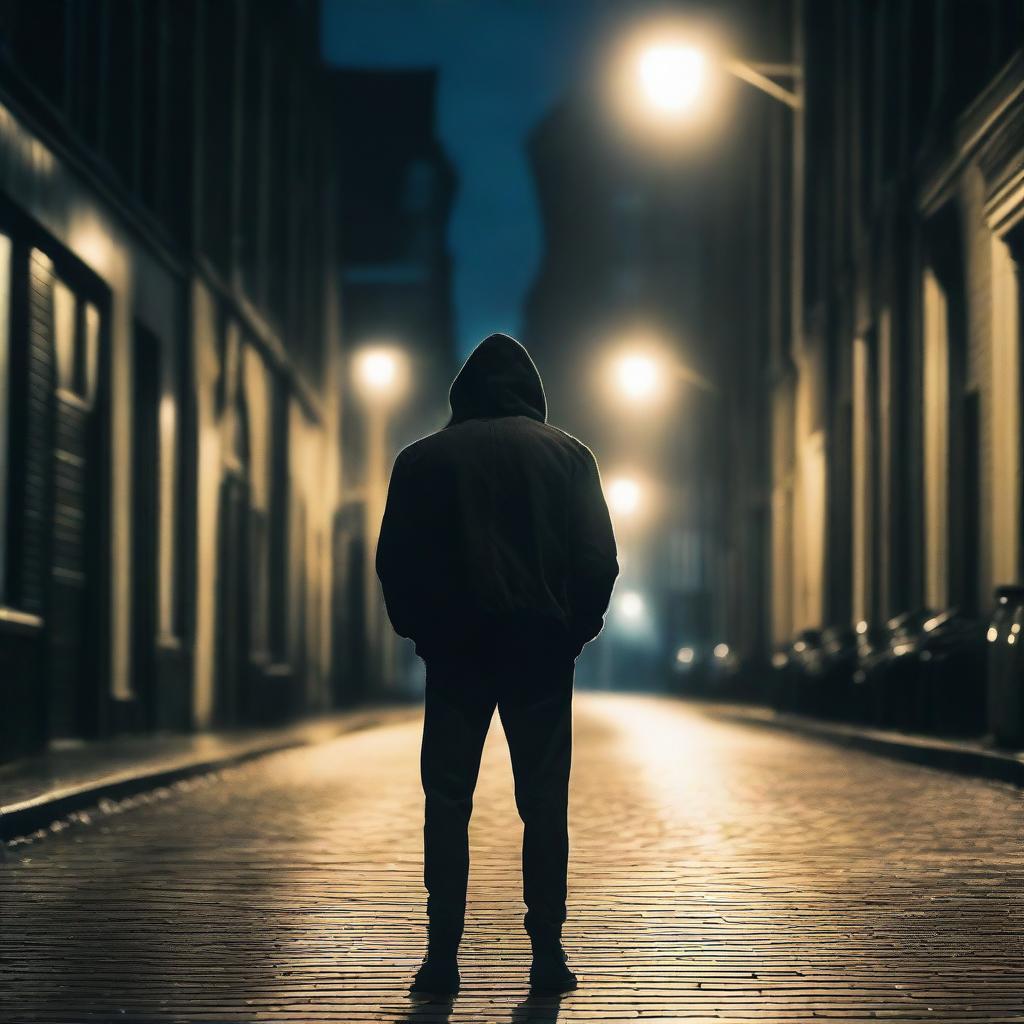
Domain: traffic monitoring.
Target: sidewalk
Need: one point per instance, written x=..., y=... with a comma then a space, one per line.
x=40, y=790
x=965, y=756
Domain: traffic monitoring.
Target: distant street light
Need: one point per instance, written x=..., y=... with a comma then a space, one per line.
x=641, y=374
x=637, y=377
x=379, y=373
x=631, y=604
x=624, y=496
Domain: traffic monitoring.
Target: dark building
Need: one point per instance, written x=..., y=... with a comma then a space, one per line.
x=894, y=417
x=623, y=275
x=169, y=359
x=396, y=187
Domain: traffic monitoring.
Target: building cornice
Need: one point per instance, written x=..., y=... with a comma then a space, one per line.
x=991, y=133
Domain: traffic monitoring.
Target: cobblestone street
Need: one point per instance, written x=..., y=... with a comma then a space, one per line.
x=719, y=872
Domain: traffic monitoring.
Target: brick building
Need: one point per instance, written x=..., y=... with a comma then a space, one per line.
x=169, y=360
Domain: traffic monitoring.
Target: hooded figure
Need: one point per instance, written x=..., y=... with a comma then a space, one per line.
x=496, y=529
x=497, y=558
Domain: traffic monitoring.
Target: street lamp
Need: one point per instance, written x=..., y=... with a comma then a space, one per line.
x=637, y=377
x=631, y=605
x=641, y=375
x=379, y=373
x=664, y=73
x=672, y=76
x=624, y=496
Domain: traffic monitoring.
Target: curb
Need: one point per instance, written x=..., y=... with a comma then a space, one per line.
x=962, y=757
x=28, y=816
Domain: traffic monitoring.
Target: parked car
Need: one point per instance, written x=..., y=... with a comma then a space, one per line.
x=1005, y=689
x=951, y=675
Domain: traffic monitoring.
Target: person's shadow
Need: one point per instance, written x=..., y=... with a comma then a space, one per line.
x=532, y=1010
x=537, y=1010
x=428, y=1011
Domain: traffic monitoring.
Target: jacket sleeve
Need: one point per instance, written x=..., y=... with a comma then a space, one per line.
x=399, y=550
x=593, y=563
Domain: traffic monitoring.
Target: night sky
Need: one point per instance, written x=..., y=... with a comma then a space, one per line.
x=502, y=63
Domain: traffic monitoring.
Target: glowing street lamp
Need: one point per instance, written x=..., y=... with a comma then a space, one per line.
x=379, y=375
x=637, y=376
x=624, y=496
x=671, y=77
x=631, y=605
x=379, y=372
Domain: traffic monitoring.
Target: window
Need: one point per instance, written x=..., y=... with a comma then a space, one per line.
x=76, y=327
x=64, y=334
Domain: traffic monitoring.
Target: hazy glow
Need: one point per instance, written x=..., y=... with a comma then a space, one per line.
x=862, y=627
x=624, y=496
x=992, y=634
x=671, y=76
x=721, y=651
x=379, y=372
x=637, y=377
x=631, y=604
x=684, y=655
x=664, y=85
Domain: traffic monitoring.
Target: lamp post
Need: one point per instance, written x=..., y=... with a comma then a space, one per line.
x=379, y=375
x=671, y=76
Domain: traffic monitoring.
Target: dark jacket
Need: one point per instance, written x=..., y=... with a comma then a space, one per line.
x=496, y=532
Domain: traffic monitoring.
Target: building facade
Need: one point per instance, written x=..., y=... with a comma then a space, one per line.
x=169, y=367
x=894, y=480
x=396, y=188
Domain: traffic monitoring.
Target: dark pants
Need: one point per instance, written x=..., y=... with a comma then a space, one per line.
x=534, y=702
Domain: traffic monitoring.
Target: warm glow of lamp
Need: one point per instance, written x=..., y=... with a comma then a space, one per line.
x=671, y=76
x=379, y=372
x=637, y=376
x=624, y=496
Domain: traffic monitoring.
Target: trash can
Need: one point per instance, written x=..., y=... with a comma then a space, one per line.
x=1006, y=667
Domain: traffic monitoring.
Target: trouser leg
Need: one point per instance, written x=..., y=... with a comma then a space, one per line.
x=457, y=715
x=536, y=713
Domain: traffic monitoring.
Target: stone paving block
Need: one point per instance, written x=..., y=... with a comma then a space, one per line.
x=720, y=872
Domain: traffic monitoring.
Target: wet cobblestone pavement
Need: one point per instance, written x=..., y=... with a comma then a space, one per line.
x=719, y=872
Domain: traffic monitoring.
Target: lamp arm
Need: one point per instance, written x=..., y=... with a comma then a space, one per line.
x=753, y=75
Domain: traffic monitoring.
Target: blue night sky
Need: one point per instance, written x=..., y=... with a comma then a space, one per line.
x=502, y=63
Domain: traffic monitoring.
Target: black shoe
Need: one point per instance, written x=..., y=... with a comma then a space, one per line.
x=438, y=976
x=549, y=973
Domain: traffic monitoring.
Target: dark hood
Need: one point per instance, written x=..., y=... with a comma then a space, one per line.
x=498, y=379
